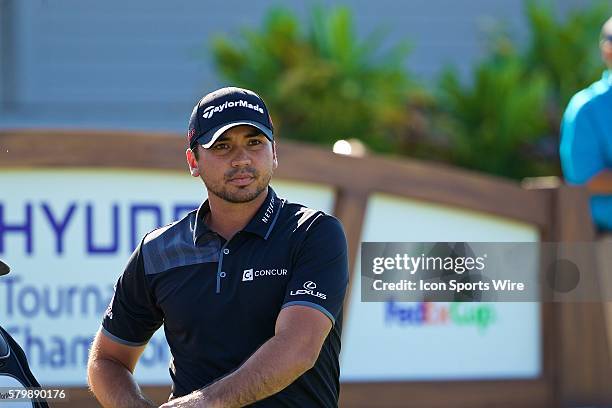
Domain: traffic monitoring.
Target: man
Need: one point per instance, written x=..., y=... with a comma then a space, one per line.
x=249, y=287
x=14, y=368
x=586, y=138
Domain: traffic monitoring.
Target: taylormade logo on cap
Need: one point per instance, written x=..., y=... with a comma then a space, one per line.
x=210, y=111
x=219, y=110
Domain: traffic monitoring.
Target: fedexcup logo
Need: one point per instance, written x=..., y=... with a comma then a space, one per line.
x=247, y=275
x=309, y=289
x=210, y=111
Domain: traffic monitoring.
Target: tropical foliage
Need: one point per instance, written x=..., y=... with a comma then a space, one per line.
x=323, y=82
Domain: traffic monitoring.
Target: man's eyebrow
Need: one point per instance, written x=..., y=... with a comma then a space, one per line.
x=252, y=133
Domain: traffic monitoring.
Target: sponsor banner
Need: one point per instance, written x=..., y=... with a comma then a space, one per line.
x=67, y=235
x=423, y=341
x=394, y=340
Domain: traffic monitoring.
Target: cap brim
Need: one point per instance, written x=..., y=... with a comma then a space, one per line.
x=210, y=137
x=4, y=268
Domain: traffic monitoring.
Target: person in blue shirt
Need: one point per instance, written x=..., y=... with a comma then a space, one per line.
x=249, y=287
x=586, y=138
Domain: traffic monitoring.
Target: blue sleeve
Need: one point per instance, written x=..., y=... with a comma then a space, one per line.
x=320, y=272
x=580, y=150
x=132, y=316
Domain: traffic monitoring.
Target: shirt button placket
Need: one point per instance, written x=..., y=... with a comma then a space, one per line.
x=221, y=274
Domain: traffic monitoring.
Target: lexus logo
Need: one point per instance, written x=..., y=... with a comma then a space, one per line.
x=310, y=285
x=309, y=289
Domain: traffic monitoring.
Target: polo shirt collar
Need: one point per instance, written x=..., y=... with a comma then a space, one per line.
x=261, y=224
x=200, y=228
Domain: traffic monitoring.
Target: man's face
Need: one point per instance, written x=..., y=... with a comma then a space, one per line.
x=238, y=166
x=606, y=43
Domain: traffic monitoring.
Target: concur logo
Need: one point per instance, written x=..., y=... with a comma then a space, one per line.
x=250, y=274
x=429, y=314
x=247, y=275
x=309, y=289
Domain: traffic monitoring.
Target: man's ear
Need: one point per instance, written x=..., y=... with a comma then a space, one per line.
x=192, y=163
x=606, y=53
x=274, y=158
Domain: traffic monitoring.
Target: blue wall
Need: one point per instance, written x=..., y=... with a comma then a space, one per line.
x=143, y=64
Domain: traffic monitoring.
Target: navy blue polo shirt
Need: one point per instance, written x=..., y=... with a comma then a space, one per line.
x=218, y=300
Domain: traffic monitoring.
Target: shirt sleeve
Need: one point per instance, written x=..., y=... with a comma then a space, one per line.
x=320, y=271
x=580, y=150
x=132, y=316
